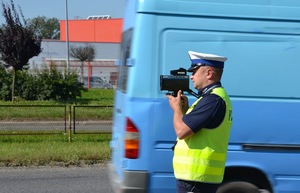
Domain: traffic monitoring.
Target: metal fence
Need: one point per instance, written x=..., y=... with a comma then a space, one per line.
x=104, y=69
x=92, y=119
x=54, y=119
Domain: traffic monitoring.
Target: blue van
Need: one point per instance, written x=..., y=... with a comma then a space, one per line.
x=261, y=39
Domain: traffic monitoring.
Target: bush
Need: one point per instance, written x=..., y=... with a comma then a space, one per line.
x=43, y=85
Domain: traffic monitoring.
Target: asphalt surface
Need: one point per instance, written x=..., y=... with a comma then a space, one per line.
x=55, y=125
x=86, y=179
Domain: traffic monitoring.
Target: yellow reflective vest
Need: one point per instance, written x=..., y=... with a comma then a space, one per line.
x=202, y=156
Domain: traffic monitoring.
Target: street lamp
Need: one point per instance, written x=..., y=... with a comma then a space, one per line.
x=67, y=38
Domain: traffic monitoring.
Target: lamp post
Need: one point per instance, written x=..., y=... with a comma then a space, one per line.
x=67, y=38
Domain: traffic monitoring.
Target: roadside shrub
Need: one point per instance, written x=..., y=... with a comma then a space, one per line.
x=47, y=84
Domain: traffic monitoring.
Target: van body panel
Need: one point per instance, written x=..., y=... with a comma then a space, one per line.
x=275, y=9
x=273, y=120
x=261, y=39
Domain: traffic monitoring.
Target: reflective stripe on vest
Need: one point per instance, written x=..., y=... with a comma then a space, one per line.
x=202, y=156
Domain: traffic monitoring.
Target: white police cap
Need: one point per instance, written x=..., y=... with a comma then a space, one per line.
x=202, y=59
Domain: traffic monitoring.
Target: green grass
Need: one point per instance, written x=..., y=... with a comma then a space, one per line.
x=93, y=97
x=56, y=150
x=90, y=97
x=97, y=97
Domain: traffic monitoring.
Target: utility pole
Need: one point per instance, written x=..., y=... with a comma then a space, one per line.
x=67, y=38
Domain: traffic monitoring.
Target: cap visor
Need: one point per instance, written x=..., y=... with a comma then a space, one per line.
x=192, y=68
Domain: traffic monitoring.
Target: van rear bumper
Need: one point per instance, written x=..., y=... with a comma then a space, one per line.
x=134, y=181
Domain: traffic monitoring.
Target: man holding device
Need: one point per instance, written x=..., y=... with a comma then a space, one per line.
x=203, y=129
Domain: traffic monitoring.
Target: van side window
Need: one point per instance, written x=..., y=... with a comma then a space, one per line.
x=125, y=53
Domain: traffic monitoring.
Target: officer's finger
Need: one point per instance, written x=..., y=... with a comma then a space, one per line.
x=179, y=93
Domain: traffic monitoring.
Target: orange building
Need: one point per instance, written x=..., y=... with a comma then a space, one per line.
x=95, y=30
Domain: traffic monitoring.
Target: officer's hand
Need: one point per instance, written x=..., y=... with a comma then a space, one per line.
x=184, y=102
x=177, y=102
x=174, y=102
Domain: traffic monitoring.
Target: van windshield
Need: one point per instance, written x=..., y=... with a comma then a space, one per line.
x=125, y=54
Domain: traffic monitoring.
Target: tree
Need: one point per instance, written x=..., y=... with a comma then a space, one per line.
x=47, y=28
x=83, y=54
x=18, y=43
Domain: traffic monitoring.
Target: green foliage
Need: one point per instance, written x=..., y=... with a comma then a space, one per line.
x=47, y=28
x=83, y=53
x=42, y=85
x=18, y=42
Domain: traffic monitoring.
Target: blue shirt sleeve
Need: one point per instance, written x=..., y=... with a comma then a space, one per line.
x=208, y=113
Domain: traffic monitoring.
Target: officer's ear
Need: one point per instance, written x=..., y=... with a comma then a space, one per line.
x=210, y=72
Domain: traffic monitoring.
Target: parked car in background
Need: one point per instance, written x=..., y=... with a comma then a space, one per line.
x=97, y=82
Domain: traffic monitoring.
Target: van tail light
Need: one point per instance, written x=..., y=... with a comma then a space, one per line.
x=131, y=140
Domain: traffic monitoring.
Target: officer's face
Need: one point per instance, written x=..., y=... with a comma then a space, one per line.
x=200, y=77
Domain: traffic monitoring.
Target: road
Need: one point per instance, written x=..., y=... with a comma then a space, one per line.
x=87, y=179
x=55, y=125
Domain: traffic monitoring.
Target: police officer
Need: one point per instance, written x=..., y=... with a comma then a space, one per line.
x=202, y=129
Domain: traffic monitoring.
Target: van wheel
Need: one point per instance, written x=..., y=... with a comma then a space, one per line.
x=238, y=187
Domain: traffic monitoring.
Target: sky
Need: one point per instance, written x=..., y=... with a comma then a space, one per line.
x=77, y=9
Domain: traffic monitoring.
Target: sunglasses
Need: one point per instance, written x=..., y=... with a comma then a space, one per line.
x=196, y=69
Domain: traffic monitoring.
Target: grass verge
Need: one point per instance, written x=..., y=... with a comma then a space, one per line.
x=51, y=110
x=54, y=150
x=90, y=97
